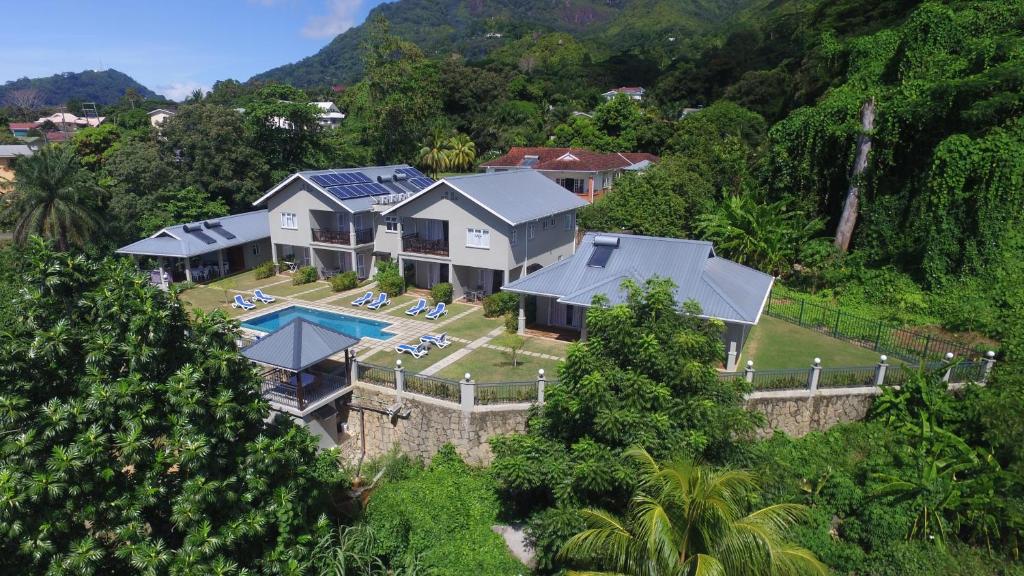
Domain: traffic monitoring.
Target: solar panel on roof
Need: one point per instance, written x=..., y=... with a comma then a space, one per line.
x=412, y=172
x=321, y=180
x=599, y=257
x=343, y=178
x=421, y=182
x=203, y=237
x=360, y=177
x=220, y=231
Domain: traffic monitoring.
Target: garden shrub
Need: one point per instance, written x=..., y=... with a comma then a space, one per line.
x=500, y=303
x=304, y=275
x=442, y=292
x=443, y=513
x=344, y=281
x=265, y=270
x=388, y=279
x=511, y=323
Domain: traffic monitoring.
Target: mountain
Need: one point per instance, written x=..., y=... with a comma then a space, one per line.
x=101, y=87
x=475, y=27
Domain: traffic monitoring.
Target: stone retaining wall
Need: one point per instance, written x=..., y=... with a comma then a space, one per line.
x=797, y=412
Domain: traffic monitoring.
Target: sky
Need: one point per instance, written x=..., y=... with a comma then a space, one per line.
x=171, y=47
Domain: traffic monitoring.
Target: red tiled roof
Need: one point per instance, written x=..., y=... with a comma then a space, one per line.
x=56, y=136
x=556, y=159
x=22, y=125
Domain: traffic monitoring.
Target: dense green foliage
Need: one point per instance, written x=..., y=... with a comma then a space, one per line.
x=133, y=439
x=103, y=87
x=441, y=292
x=501, y=303
x=344, y=281
x=389, y=279
x=265, y=270
x=304, y=275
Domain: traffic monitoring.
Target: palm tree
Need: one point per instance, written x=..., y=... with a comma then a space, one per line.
x=433, y=155
x=690, y=520
x=53, y=198
x=461, y=152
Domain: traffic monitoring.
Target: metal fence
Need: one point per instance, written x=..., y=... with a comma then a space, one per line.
x=433, y=387
x=867, y=333
x=856, y=376
x=374, y=374
x=848, y=377
x=506, y=392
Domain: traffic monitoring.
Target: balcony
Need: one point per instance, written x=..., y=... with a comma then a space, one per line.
x=364, y=236
x=332, y=236
x=413, y=243
x=280, y=388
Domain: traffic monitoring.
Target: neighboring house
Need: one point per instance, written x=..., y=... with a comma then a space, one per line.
x=725, y=290
x=158, y=116
x=327, y=218
x=634, y=92
x=69, y=120
x=21, y=129
x=582, y=172
x=224, y=245
x=330, y=116
x=8, y=153
x=480, y=232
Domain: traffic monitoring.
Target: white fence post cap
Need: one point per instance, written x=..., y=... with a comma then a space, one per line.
x=990, y=354
x=398, y=363
x=949, y=355
x=467, y=377
x=883, y=358
x=817, y=360
x=540, y=372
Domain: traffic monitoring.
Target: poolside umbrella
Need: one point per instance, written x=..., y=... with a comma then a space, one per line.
x=298, y=345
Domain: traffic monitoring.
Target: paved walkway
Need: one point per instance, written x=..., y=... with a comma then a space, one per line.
x=462, y=352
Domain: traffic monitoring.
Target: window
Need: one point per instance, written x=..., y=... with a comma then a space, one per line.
x=391, y=223
x=255, y=248
x=574, y=185
x=289, y=221
x=478, y=238
x=514, y=238
x=531, y=231
x=570, y=220
x=449, y=194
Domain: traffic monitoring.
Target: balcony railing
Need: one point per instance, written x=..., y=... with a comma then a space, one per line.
x=413, y=243
x=280, y=387
x=364, y=236
x=331, y=236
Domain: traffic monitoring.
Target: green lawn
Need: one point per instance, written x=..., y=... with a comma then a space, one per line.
x=247, y=282
x=775, y=343
x=322, y=292
x=472, y=326
x=209, y=299
x=288, y=289
x=546, y=346
x=487, y=365
x=412, y=365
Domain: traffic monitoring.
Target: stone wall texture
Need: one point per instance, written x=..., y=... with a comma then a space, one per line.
x=798, y=412
x=429, y=425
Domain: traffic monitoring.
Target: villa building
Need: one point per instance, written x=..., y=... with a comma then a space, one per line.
x=586, y=174
x=725, y=290
x=8, y=154
x=633, y=92
x=330, y=116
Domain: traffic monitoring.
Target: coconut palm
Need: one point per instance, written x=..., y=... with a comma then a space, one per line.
x=690, y=520
x=461, y=152
x=53, y=198
x=433, y=155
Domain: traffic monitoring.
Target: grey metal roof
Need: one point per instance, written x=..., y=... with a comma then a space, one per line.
x=400, y=189
x=298, y=345
x=12, y=150
x=174, y=241
x=724, y=289
x=515, y=196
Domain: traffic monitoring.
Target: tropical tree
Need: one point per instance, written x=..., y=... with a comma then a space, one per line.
x=53, y=198
x=433, y=154
x=461, y=152
x=687, y=519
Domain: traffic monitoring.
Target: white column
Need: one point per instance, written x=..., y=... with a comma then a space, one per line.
x=160, y=265
x=731, y=357
x=883, y=366
x=188, y=269
x=521, y=327
x=748, y=374
x=467, y=393
x=220, y=261
x=583, y=324
x=815, y=373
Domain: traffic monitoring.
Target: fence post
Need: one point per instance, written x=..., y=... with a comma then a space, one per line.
x=800, y=321
x=949, y=367
x=835, y=329
x=354, y=376
x=883, y=365
x=399, y=377
x=927, y=342
x=989, y=361
x=749, y=372
x=813, y=375
x=540, y=386
x=878, y=337
x=467, y=392
x=730, y=362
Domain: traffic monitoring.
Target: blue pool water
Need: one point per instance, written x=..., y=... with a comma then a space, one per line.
x=355, y=327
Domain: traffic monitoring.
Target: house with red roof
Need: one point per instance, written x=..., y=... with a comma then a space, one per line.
x=583, y=172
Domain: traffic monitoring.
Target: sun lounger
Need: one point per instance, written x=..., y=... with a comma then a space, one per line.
x=363, y=299
x=381, y=300
x=417, y=351
x=441, y=340
x=242, y=303
x=420, y=306
x=260, y=296
x=437, y=312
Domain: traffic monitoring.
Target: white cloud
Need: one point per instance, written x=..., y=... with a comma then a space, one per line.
x=178, y=91
x=341, y=15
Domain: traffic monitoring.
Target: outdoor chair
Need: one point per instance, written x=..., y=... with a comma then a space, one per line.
x=441, y=340
x=242, y=303
x=417, y=351
x=437, y=312
x=260, y=296
x=381, y=300
x=363, y=299
x=420, y=306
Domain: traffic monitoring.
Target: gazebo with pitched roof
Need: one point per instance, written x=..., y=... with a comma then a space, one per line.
x=299, y=376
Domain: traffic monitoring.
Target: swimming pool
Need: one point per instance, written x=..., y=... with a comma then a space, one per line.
x=351, y=325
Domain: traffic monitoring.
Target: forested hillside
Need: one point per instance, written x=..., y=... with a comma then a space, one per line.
x=101, y=87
